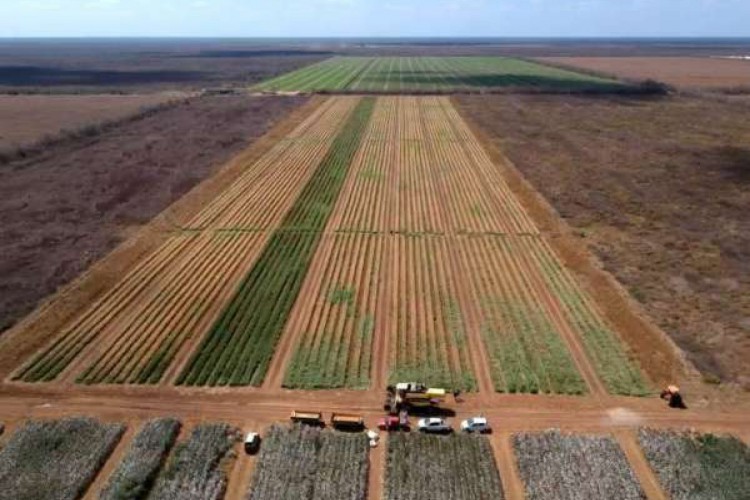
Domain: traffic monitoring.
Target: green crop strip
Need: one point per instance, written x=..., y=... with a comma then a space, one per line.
x=238, y=348
x=433, y=74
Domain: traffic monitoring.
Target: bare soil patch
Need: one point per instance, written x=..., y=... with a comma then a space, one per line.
x=29, y=118
x=681, y=72
x=67, y=208
x=658, y=189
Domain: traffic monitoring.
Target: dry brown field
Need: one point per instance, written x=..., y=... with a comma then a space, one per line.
x=680, y=72
x=25, y=119
x=68, y=206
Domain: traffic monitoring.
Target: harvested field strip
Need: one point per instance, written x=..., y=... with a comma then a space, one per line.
x=428, y=336
x=309, y=463
x=336, y=322
x=197, y=468
x=477, y=199
x=422, y=160
x=620, y=374
x=424, y=467
x=141, y=282
x=419, y=206
x=55, y=460
x=366, y=199
x=557, y=466
x=261, y=196
x=239, y=346
x=139, y=348
x=526, y=351
x=137, y=471
x=698, y=466
x=432, y=74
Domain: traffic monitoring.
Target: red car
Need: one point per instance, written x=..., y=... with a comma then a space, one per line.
x=394, y=423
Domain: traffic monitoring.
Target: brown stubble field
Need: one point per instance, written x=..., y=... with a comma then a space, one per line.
x=680, y=72
x=69, y=206
x=658, y=189
x=27, y=119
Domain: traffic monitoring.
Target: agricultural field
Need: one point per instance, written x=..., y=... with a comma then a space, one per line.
x=239, y=346
x=710, y=73
x=146, y=454
x=698, y=466
x=196, y=470
x=520, y=321
x=336, y=328
x=423, y=467
x=431, y=74
x=55, y=460
x=72, y=203
x=556, y=466
x=306, y=462
x=133, y=332
x=450, y=270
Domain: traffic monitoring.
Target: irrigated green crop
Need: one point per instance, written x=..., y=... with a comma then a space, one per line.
x=431, y=74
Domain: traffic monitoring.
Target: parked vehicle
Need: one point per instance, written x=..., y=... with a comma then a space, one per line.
x=476, y=424
x=395, y=423
x=342, y=421
x=434, y=425
x=252, y=443
x=374, y=438
x=308, y=418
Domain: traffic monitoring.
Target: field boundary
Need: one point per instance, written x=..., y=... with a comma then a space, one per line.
x=36, y=329
x=657, y=354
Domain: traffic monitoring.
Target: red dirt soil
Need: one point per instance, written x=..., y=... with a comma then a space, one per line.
x=681, y=72
x=70, y=206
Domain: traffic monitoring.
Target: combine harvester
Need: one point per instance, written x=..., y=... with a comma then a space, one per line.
x=410, y=396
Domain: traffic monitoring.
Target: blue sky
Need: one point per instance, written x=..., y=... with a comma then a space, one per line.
x=288, y=18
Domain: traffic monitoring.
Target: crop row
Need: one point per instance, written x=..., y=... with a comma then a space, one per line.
x=137, y=327
x=459, y=467
x=336, y=320
x=430, y=74
x=239, y=346
x=136, y=473
x=422, y=171
x=555, y=466
x=698, y=466
x=309, y=463
x=197, y=468
x=55, y=460
x=619, y=372
x=336, y=73
x=428, y=334
x=518, y=324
